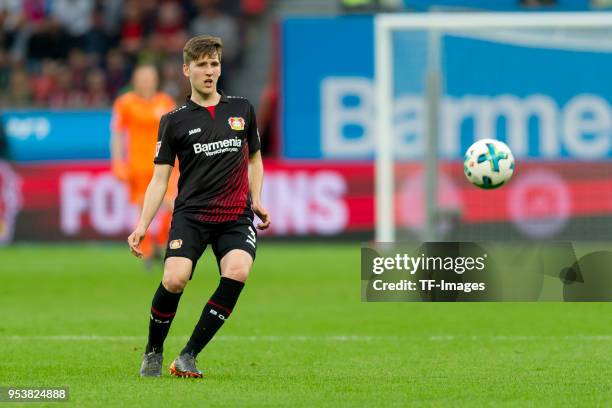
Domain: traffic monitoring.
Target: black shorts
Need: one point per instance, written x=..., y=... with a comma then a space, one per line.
x=189, y=237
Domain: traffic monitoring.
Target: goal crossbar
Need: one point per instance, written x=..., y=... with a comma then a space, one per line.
x=473, y=20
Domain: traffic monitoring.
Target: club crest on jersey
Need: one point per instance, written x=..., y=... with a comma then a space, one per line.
x=175, y=244
x=236, y=123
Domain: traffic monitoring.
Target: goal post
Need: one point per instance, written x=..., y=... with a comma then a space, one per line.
x=501, y=27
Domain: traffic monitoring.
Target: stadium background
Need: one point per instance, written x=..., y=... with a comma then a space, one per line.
x=307, y=66
x=61, y=69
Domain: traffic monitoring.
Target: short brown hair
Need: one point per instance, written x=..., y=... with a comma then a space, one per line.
x=200, y=46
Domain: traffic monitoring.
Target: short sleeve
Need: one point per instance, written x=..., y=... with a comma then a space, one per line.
x=164, y=149
x=253, y=132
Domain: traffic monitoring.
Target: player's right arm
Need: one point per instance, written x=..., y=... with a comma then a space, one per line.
x=165, y=157
x=152, y=200
x=118, y=165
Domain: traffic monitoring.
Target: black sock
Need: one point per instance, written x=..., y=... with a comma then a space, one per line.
x=163, y=309
x=216, y=311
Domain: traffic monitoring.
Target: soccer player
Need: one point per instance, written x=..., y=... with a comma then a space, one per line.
x=216, y=141
x=134, y=128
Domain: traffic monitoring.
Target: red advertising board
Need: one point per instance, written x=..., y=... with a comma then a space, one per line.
x=82, y=200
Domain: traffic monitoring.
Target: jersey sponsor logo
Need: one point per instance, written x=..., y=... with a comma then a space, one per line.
x=157, y=147
x=221, y=146
x=236, y=123
x=175, y=244
x=196, y=130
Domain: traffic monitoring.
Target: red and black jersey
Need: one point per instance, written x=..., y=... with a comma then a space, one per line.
x=213, y=148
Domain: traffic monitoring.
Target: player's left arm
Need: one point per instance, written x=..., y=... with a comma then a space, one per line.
x=256, y=170
x=256, y=175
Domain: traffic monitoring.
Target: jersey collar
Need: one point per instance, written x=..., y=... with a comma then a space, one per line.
x=193, y=106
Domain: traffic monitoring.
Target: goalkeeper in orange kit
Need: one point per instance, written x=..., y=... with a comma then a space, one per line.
x=134, y=126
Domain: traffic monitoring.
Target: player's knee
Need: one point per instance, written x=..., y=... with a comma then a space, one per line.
x=174, y=283
x=176, y=274
x=239, y=272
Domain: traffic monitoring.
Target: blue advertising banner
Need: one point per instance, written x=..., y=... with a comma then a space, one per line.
x=314, y=50
x=547, y=96
x=546, y=102
x=40, y=135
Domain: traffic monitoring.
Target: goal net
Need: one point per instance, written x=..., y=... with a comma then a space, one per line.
x=540, y=82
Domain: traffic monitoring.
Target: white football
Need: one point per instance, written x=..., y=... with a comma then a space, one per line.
x=488, y=163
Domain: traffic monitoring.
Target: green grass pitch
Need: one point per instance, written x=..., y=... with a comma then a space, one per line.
x=77, y=316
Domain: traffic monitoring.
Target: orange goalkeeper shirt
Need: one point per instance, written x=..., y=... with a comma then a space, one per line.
x=137, y=119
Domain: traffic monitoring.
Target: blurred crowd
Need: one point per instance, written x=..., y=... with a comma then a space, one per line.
x=80, y=53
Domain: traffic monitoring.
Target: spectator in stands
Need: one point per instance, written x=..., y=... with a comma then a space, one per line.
x=44, y=84
x=153, y=52
x=96, y=95
x=34, y=22
x=75, y=17
x=253, y=7
x=20, y=91
x=132, y=29
x=5, y=71
x=13, y=33
x=213, y=21
x=169, y=32
x=11, y=18
x=79, y=64
x=35, y=11
x=230, y=7
x=116, y=72
x=48, y=41
x=11, y=10
x=113, y=11
x=149, y=11
x=64, y=95
x=51, y=50
x=98, y=40
x=31, y=20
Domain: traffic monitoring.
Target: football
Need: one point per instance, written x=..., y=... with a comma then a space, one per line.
x=488, y=163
